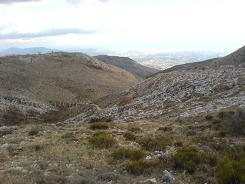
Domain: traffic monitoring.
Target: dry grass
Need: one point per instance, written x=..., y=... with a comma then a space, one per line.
x=66, y=150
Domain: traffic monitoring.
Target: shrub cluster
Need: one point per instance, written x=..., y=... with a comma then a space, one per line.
x=128, y=153
x=34, y=131
x=152, y=143
x=130, y=136
x=230, y=122
x=187, y=159
x=231, y=171
x=209, y=117
x=102, y=140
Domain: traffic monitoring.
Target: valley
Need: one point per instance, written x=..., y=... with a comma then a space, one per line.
x=71, y=118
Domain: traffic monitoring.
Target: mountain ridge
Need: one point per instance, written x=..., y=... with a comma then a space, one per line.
x=128, y=64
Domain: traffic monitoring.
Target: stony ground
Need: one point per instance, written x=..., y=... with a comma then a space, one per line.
x=184, y=93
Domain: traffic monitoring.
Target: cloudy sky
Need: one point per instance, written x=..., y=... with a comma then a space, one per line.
x=123, y=25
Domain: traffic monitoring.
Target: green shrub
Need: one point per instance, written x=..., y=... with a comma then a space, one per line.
x=204, y=138
x=165, y=128
x=140, y=166
x=151, y=143
x=13, y=116
x=34, y=131
x=209, y=117
x=231, y=171
x=216, y=121
x=130, y=136
x=187, y=159
x=99, y=126
x=233, y=122
x=178, y=144
x=230, y=122
x=102, y=140
x=208, y=157
x=128, y=153
x=221, y=114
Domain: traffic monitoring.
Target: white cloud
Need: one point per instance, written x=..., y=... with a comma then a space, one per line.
x=138, y=25
x=47, y=33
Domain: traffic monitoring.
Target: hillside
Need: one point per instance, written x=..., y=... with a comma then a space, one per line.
x=129, y=65
x=185, y=90
x=34, y=82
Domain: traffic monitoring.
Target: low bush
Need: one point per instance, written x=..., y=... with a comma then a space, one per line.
x=230, y=122
x=34, y=131
x=99, y=126
x=187, y=159
x=128, y=153
x=100, y=119
x=178, y=144
x=13, y=116
x=231, y=171
x=140, y=166
x=130, y=136
x=209, y=117
x=152, y=143
x=102, y=140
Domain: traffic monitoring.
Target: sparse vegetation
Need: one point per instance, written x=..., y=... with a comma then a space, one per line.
x=102, y=140
x=128, y=153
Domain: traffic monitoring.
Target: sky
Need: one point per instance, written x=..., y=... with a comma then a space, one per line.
x=123, y=25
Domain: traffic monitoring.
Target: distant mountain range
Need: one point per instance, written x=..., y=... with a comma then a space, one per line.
x=162, y=60
x=25, y=51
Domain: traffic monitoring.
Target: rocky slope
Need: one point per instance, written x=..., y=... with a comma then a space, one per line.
x=129, y=65
x=183, y=91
